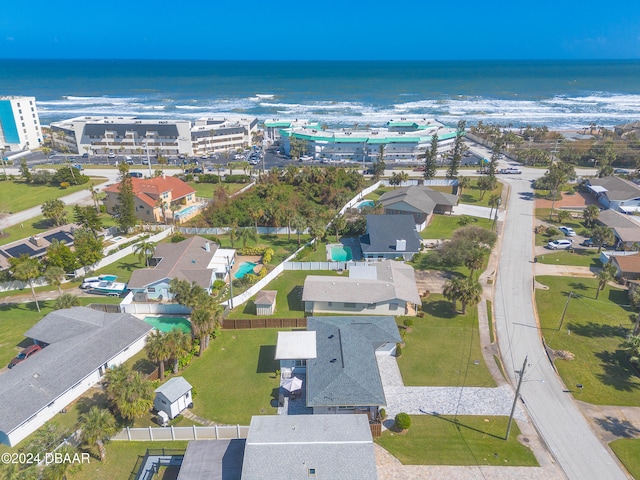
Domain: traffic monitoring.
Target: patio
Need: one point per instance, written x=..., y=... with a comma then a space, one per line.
x=293, y=403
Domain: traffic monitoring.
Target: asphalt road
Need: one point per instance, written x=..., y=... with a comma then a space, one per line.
x=549, y=403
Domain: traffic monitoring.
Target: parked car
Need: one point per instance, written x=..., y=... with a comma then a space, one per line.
x=621, y=171
x=590, y=243
x=135, y=174
x=562, y=244
x=24, y=354
x=111, y=155
x=145, y=161
x=77, y=166
x=568, y=231
x=85, y=155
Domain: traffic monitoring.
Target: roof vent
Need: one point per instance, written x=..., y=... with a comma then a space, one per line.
x=401, y=245
x=207, y=247
x=333, y=360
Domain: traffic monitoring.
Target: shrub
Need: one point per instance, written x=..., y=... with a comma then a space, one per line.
x=552, y=231
x=65, y=184
x=267, y=256
x=398, y=349
x=408, y=322
x=208, y=178
x=403, y=421
x=219, y=284
x=177, y=238
x=383, y=413
x=236, y=179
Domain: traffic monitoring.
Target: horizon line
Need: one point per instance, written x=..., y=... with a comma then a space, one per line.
x=326, y=59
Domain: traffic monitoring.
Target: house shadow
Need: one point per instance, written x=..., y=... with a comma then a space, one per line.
x=620, y=298
x=618, y=372
x=84, y=403
x=145, y=366
x=294, y=299
x=249, y=308
x=266, y=361
x=619, y=428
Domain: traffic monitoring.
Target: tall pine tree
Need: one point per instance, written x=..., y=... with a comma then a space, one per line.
x=458, y=150
x=430, y=158
x=126, y=209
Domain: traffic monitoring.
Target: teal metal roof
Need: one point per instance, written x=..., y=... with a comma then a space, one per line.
x=351, y=140
x=277, y=124
x=402, y=139
x=403, y=124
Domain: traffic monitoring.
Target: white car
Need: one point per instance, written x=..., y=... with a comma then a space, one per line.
x=568, y=231
x=561, y=244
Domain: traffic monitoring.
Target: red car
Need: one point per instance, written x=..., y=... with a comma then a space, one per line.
x=24, y=354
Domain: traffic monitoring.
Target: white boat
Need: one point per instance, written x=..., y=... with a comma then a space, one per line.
x=112, y=289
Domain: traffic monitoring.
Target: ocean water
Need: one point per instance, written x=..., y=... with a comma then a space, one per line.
x=559, y=94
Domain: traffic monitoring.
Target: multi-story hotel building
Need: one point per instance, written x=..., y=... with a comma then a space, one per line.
x=19, y=124
x=399, y=141
x=123, y=136
x=217, y=134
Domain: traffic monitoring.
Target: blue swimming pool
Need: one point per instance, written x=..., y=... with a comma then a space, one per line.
x=340, y=253
x=166, y=324
x=246, y=267
x=366, y=203
x=186, y=211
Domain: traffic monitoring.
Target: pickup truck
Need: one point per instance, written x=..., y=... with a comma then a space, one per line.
x=510, y=171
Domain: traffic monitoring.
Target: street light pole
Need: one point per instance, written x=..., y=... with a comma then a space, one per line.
x=230, y=283
x=565, y=310
x=515, y=399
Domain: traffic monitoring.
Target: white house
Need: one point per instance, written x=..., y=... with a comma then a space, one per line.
x=616, y=193
x=173, y=397
x=381, y=288
x=81, y=344
x=19, y=124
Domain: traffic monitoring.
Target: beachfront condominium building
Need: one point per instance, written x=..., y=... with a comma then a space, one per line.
x=122, y=136
x=273, y=127
x=402, y=140
x=220, y=134
x=19, y=124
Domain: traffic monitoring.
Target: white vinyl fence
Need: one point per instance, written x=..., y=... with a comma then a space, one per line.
x=160, y=434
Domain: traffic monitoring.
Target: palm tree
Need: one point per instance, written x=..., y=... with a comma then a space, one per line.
x=204, y=322
x=605, y=276
x=66, y=300
x=562, y=216
x=178, y=344
x=27, y=269
x=59, y=471
x=54, y=277
x=339, y=223
x=470, y=293
x=299, y=223
x=590, y=214
x=145, y=250
x=95, y=196
x=494, y=202
x=602, y=235
x=632, y=346
x=245, y=234
x=97, y=425
x=475, y=259
x=451, y=291
x=463, y=182
x=157, y=350
x=136, y=397
x=256, y=215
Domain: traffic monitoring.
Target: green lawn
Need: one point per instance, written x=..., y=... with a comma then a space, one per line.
x=17, y=196
x=235, y=377
x=281, y=244
x=443, y=226
x=598, y=327
x=473, y=195
x=465, y=440
x=289, y=287
x=580, y=257
x=442, y=348
x=123, y=268
x=121, y=460
x=429, y=261
x=17, y=318
x=206, y=190
x=628, y=451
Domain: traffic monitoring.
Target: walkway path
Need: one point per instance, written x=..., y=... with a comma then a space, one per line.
x=194, y=418
x=441, y=400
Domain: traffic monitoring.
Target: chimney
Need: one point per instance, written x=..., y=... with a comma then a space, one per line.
x=207, y=247
x=36, y=241
x=401, y=245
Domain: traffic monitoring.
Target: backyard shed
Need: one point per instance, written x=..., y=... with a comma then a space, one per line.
x=265, y=302
x=173, y=397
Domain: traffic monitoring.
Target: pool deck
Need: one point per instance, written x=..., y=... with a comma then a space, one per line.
x=240, y=259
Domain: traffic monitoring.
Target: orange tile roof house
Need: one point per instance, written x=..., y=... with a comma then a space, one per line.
x=153, y=194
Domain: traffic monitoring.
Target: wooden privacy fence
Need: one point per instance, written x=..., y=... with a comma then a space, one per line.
x=249, y=323
x=376, y=429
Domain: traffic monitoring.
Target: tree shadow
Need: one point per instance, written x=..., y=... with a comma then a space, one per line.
x=439, y=309
x=578, y=286
x=620, y=428
x=145, y=366
x=618, y=371
x=43, y=224
x=275, y=397
x=130, y=267
x=294, y=299
x=597, y=330
x=266, y=360
x=84, y=403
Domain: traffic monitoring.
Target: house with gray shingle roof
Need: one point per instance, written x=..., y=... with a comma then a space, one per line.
x=195, y=259
x=344, y=376
x=626, y=228
x=297, y=447
x=419, y=201
x=390, y=236
x=615, y=193
x=81, y=344
x=379, y=288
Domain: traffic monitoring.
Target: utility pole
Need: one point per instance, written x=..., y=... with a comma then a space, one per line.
x=565, y=310
x=515, y=399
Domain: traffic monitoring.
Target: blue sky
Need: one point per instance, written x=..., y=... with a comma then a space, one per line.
x=341, y=30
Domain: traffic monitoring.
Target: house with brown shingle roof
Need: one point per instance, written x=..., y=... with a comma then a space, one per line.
x=628, y=267
x=196, y=260
x=157, y=199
